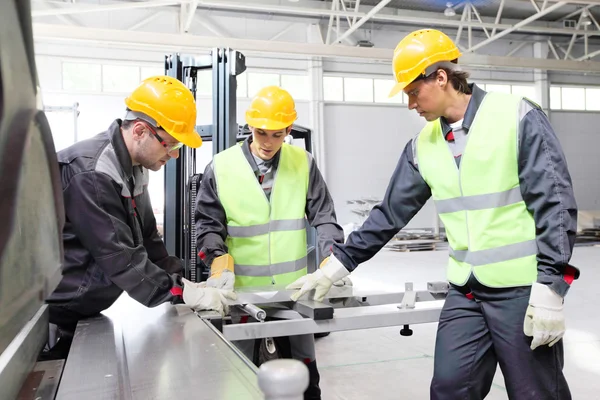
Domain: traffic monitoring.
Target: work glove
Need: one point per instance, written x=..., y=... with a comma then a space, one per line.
x=544, y=318
x=331, y=270
x=221, y=273
x=199, y=297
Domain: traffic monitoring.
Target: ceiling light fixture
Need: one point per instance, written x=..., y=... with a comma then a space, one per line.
x=449, y=11
x=585, y=18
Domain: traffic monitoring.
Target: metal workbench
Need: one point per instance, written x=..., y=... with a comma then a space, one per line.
x=167, y=352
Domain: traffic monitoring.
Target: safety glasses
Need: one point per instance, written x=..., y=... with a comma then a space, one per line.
x=170, y=148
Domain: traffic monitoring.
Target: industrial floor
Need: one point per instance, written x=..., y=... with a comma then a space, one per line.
x=380, y=364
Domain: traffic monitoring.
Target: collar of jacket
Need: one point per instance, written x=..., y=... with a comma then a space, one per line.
x=116, y=138
x=248, y=153
x=477, y=97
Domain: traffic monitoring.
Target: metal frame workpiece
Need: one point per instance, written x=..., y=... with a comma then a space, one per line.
x=345, y=308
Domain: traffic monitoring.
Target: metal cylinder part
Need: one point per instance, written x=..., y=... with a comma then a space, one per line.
x=257, y=313
x=283, y=379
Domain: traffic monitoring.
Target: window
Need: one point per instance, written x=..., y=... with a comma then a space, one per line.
x=120, y=78
x=147, y=72
x=333, y=88
x=204, y=82
x=242, y=85
x=525, y=91
x=497, y=88
x=257, y=81
x=297, y=85
x=592, y=99
x=358, y=89
x=156, y=191
x=555, y=98
x=82, y=77
x=382, y=91
x=573, y=98
x=62, y=123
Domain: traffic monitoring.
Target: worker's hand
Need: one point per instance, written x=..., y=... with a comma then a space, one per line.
x=331, y=270
x=221, y=273
x=544, y=318
x=199, y=297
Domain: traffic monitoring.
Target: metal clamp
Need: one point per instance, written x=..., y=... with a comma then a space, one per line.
x=409, y=298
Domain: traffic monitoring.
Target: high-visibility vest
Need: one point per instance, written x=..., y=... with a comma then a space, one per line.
x=491, y=233
x=266, y=238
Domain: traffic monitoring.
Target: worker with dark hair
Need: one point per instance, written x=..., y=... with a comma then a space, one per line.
x=501, y=186
x=110, y=237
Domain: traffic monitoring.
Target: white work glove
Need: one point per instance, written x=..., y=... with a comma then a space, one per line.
x=199, y=297
x=331, y=270
x=345, y=281
x=224, y=281
x=544, y=318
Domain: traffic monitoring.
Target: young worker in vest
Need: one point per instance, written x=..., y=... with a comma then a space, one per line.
x=499, y=179
x=251, y=210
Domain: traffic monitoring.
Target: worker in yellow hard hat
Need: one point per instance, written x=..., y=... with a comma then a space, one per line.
x=250, y=217
x=111, y=243
x=501, y=186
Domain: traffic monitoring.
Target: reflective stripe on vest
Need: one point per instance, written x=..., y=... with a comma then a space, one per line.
x=490, y=231
x=266, y=238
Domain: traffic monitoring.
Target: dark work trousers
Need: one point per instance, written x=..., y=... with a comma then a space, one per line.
x=300, y=347
x=474, y=335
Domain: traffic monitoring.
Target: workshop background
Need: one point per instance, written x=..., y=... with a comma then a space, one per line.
x=334, y=58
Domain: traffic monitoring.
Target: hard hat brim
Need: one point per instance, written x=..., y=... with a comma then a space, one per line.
x=192, y=140
x=263, y=123
x=398, y=87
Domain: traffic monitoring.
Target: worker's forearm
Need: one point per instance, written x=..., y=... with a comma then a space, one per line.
x=548, y=193
x=327, y=235
x=320, y=212
x=406, y=194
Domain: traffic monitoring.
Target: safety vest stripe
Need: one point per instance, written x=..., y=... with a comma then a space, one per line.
x=479, y=202
x=270, y=270
x=262, y=229
x=496, y=254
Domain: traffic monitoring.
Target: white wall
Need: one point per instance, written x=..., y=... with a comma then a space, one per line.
x=363, y=145
x=579, y=135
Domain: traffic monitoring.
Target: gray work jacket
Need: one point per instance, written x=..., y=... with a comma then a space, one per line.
x=110, y=237
x=211, y=221
x=545, y=183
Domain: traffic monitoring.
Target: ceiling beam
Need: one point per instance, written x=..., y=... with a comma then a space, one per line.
x=404, y=18
x=364, y=19
x=70, y=8
x=167, y=42
x=526, y=21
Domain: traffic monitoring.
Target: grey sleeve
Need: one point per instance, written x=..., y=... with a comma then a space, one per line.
x=153, y=243
x=91, y=200
x=406, y=194
x=547, y=190
x=320, y=212
x=210, y=218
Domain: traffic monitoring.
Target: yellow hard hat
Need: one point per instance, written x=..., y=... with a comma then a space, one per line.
x=272, y=108
x=171, y=104
x=417, y=51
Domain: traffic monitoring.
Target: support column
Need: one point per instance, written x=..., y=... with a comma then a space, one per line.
x=540, y=78
x=316, y=105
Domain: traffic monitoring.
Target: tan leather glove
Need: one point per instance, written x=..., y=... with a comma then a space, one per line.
x=222, y=274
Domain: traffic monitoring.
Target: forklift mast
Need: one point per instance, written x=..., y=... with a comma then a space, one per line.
x=182, y=180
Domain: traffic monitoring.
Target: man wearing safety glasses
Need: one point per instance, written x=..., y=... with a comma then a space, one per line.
x=110, y=239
